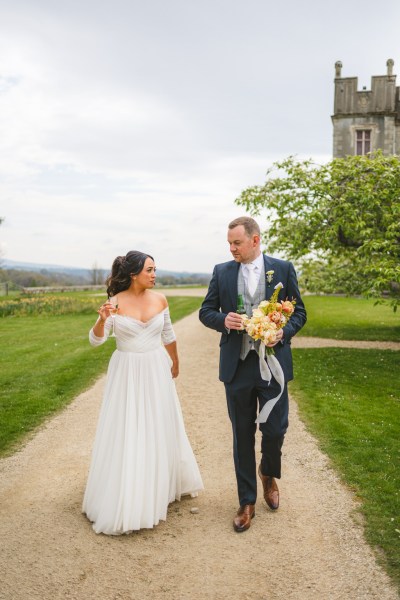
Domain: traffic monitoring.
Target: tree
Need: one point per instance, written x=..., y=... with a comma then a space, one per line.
x=96, y=275
x=340, y=221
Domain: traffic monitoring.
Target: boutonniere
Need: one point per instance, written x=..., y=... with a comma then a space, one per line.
x=270, y=276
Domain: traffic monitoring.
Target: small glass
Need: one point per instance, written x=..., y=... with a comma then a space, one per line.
x=113, y=312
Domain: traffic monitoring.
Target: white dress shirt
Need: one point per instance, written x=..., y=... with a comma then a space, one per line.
x=259, y=268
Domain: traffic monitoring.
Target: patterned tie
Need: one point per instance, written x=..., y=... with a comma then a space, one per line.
x=251, y=279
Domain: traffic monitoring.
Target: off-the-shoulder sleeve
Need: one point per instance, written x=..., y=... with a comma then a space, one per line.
x=95, y=340
x=167, y=334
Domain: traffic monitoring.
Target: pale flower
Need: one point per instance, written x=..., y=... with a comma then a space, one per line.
x=270, y=275
x=268, y=336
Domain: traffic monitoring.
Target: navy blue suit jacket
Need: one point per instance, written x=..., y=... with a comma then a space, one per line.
x=221, y=299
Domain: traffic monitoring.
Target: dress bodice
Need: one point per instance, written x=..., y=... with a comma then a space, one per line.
x=133, y=335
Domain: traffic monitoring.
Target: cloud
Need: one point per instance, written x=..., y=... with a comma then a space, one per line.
x=131, y=124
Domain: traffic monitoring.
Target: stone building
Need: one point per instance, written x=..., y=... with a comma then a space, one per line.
x=366, y=120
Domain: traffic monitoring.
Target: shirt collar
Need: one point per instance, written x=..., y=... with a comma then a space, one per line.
x=258, y=262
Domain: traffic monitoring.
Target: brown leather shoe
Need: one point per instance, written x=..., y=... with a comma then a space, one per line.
x=244, y=515
x=271, y=491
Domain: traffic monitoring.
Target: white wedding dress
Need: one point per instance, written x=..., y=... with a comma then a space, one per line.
x=142, y=459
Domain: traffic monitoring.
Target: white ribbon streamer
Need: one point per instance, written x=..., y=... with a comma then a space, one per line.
x=269, y=367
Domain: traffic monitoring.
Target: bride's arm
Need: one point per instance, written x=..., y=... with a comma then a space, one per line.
x=100, y=330
x=173, y=354
x=169, y=340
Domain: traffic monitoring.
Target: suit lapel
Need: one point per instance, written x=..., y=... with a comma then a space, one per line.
x=269, y=266
x=232, y=282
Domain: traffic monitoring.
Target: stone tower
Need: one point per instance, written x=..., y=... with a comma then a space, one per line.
x=366, y=120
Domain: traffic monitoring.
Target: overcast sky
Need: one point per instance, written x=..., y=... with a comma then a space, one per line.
x=134, y=124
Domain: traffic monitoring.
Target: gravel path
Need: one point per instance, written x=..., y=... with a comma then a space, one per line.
x=314, y=342
x=312, y=548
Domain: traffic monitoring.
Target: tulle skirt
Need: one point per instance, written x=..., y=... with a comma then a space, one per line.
x=142, y=459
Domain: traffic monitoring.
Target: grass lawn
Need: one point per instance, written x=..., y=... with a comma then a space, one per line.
x=47, y=361
x=350, y=401
x=350, y=319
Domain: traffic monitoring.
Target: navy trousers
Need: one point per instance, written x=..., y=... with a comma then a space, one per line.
x=246, y=393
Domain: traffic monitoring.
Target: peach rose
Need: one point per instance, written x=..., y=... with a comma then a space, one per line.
x=287, y=307
x=275, y=317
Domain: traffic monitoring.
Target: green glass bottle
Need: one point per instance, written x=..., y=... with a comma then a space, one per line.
x=240, y=309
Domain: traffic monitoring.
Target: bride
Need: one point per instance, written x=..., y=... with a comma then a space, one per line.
x=142, y=459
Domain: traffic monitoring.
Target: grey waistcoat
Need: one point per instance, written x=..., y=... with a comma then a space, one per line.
x=249, y=303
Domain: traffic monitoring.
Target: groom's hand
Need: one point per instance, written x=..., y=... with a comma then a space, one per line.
x=233, y=321
x=278, y=338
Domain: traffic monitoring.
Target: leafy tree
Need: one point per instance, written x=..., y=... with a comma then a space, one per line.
x=340, y=221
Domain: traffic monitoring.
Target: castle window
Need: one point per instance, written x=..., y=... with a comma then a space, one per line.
x=363, y=141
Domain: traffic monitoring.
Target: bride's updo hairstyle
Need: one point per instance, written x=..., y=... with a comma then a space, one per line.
x=122, y=269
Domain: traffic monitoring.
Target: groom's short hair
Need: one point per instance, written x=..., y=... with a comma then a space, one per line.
x=251, y=226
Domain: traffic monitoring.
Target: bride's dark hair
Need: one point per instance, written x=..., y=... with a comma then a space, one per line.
x=122, y=269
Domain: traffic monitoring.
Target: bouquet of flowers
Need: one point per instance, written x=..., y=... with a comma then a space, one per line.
x=268, y=318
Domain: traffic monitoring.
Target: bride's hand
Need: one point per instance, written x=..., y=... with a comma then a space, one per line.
x=104, y=310
x=175, y=370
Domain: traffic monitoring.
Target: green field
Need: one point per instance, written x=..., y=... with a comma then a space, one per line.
x=350, y=400
x=350, y=319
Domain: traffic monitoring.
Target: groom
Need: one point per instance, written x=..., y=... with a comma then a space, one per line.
x=253, y=275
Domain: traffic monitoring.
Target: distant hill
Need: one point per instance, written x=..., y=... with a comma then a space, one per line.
x=35, y=267
x=28, y=274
